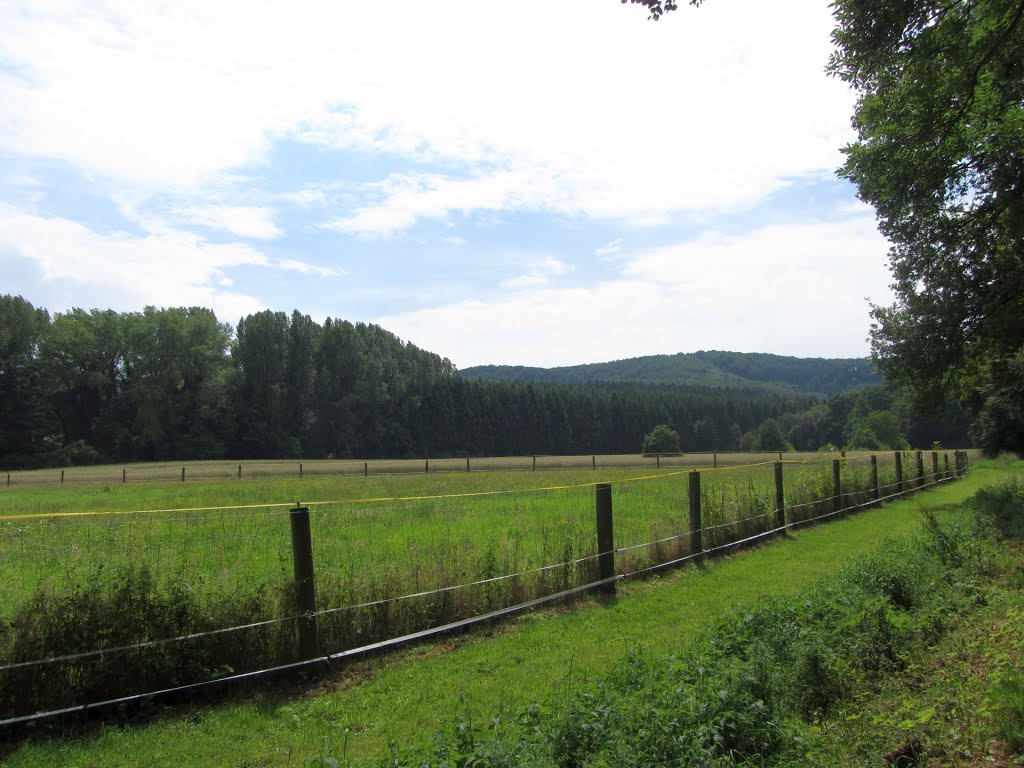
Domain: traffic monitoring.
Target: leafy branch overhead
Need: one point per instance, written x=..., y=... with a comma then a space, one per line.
x=657, y=8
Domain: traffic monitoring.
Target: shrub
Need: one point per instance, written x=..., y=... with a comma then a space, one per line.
x=661, y=439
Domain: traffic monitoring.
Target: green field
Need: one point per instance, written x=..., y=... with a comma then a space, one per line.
x=100, y=565
x=357, y=712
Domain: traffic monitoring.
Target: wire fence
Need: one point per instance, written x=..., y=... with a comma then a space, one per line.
x=107, y=610
x=172, y=472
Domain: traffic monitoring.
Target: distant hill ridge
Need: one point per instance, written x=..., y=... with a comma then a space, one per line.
x=818, y=375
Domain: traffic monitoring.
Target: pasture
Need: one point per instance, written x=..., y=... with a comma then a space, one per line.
x=146, y=567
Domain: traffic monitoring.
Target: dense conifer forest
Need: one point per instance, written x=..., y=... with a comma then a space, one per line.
x=823, y=376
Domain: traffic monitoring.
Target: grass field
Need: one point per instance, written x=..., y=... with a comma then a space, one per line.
x=158, y=560
x=359, y=711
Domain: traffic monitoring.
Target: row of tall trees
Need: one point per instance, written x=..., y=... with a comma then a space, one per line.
x=871, y=418
x=87, y=386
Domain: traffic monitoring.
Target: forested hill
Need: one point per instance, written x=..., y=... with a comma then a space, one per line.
x=824, y=376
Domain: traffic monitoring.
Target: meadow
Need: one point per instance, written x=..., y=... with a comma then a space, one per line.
x=159, y=569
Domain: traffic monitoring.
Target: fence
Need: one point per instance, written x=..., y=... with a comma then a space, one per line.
x=166, y=472
x=368, y=587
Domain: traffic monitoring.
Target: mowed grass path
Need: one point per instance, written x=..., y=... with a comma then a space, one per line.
x=413, y=693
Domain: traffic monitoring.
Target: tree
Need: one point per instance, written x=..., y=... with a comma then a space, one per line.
x=771, y=437
x=28, y=425
x=658, y=8
x=940, y=132
x=661, y=439
x=876, y=431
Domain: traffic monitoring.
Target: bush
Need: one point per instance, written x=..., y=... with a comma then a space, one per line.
x=1008, y=709
x=126, y=607
x=1003, y=505
x=661, y=439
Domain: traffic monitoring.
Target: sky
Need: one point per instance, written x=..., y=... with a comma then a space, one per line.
x=524, y=182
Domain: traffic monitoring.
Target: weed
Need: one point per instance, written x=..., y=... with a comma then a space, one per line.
x=1007, y=701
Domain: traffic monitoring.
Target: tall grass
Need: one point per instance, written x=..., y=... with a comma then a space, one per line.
x=760, y=680
x=96, y=582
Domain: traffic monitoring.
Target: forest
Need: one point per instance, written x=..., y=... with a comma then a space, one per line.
x=713, y=368
x=96, y=386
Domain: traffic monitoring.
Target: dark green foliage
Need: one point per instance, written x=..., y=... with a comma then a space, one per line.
x=733, y=370
x=939, y=130
x=742, y=695
x=873, y=418
x=163, y=384
x=661, y=439
x=1008, y=710
x=1000, y=422
x=123, y=607
x=1003, y=504
x=770, y=437
x=28, y=424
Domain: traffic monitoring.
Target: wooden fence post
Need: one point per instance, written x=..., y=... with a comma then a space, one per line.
x=899, y=472
x=780, y=498
x=593, y=462
x=920, y=469
x=874, y=477
x=714, y=459
x=366, y=469
x=534, y=463
x=124, y=475
x=837, y=486
x=8, y=479
x=426, y=466
x=696, y=527
x=658, y=459
x=183, y=474
x=239, y=471
x=945, y=464
x=305, y=585
x=62, y=477
x=935, y=466
x=605, y=538
x=300, y=469
x=467, y=463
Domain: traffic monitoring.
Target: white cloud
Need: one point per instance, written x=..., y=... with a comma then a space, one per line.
x=406, y=198
x=539, y=272
x=797, y=290
x=121, y=271
x=609, y=249
x=306, y=268
x=248, y=221
x=571, y=106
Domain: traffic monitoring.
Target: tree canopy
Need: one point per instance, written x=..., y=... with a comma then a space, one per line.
x=940, y=155
x=662, y=439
